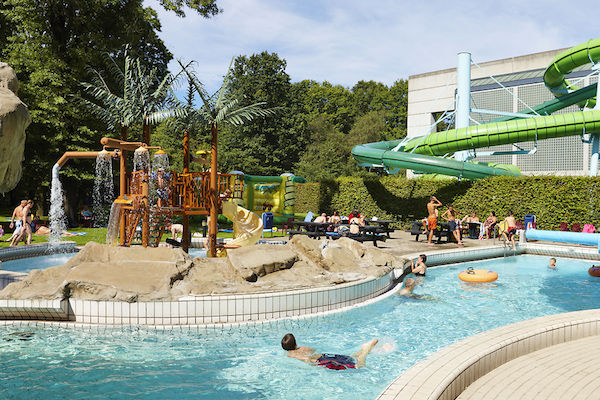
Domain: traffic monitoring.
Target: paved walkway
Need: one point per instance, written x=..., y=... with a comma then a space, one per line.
x=564, y=371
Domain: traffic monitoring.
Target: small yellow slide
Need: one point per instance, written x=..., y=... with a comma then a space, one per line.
x=247, y=226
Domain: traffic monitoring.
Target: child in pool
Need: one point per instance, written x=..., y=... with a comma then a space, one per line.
x=331, y=361
x=552, y=264
x=409, y=286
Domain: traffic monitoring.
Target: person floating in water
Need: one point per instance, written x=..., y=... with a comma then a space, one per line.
x=552, y=264
x=409, y=286
x=331, y=361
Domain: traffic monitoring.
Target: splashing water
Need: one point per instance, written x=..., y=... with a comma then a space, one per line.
x=104, y=193
x=160, y=160
x=58, y=220
x=141, y=160
x=112, y=230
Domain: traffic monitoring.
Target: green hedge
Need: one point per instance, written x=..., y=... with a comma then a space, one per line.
x=552, y=199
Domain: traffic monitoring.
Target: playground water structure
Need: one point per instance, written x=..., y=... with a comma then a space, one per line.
x=431, y=153
x=248, y=362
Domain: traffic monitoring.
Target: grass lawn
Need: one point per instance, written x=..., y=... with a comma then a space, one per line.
x=99, y=235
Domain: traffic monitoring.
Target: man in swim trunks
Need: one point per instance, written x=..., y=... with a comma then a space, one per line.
x=450, y=215
x=330, y=361
x=509, y=233
x=17, y=223
x=432, y=217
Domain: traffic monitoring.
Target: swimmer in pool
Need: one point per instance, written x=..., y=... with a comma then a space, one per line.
x=552, y=264
x=331, y=361
x=409, y=286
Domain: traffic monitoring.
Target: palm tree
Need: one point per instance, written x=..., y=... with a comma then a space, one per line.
x=142, y=95
x=219, y=109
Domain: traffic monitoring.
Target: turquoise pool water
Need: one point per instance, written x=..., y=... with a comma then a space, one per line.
x=248, y=363
x=43, y=262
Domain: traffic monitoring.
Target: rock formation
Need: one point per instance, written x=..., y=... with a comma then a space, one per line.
x=103, y=272
x=14, y=119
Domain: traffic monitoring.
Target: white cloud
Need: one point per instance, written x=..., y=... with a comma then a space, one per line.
x=343, y=41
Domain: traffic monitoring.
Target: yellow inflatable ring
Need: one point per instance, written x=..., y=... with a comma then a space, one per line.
x=478, y=275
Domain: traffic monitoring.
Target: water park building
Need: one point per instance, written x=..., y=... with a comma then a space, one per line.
x=517, y=85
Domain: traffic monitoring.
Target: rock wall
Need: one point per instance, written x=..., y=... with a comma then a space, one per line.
x=14, y=119
x=103, y=272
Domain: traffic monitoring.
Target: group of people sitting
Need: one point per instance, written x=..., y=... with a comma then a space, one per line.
x=356, y=220
x=455, y=223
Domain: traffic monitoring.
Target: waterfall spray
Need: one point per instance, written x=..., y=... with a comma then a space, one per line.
x=58, y=221
x=103, y=195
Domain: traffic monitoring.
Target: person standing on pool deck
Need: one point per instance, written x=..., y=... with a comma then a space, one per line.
x=419, y=269
x=432, y=217
x=509, y=233
x=331, y=361
x=450, y=215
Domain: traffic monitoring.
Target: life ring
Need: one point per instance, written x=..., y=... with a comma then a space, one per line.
x=478, y=275
x=594, y=271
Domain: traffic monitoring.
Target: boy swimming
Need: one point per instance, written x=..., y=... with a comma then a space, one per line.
x=552, y=264
x=331, y=361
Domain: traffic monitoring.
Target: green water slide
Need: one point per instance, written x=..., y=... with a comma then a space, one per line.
x=430, y=153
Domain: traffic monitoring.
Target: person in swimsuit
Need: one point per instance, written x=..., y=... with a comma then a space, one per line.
x=409, y=286
x=27, y=221
x=330, y=361
x=162, y=187
x=433, y=204
x=419, y=269
x=450, y=215
x=509, y=233
x=490, y=224
x=17, y=223
x=552, y=264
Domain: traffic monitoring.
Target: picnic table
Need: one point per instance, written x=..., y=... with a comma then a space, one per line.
x=443, y=230
x=385, y=224
x=318, y=229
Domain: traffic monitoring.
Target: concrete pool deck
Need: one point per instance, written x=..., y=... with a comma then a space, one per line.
x=568, y=373
x=551, y=357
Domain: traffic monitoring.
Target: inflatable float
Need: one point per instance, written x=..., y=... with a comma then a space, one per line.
x=594, y=271
x=478, y=275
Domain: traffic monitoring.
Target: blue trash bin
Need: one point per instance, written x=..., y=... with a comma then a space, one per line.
x=529, y=221
x=267, y=219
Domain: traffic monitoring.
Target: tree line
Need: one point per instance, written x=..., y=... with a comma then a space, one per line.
x=54, y=45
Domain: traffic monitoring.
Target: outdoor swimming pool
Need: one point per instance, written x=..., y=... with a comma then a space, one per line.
x=248, y=362
x=42, y=262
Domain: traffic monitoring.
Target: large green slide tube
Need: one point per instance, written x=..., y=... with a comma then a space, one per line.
x=422, y=153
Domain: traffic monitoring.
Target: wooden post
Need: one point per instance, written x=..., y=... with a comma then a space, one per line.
x=214, y=196
x=122, y=184
x=185, y=240
x=146, y=211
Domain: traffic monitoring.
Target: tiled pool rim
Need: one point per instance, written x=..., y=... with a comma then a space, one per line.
x=235, y=310
x=447, y=373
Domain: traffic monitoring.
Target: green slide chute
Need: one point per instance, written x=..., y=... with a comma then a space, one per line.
x=429, y=154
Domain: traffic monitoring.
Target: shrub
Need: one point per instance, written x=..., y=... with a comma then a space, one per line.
x=552, y=199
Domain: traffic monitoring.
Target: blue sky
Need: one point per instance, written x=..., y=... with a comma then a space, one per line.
x=344, y=41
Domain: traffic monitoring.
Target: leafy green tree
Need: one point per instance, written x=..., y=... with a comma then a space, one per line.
x=265, y=146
